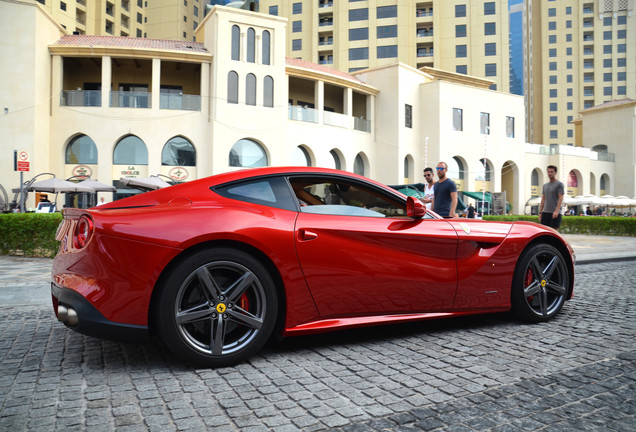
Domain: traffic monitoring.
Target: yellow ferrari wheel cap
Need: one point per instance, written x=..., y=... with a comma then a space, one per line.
x=543, y=283
x=220, y=308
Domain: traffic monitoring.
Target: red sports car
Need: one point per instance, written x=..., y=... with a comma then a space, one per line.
x=216, y=266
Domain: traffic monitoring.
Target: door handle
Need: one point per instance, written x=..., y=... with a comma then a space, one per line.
x=305, y=235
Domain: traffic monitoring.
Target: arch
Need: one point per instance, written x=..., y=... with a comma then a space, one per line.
x=338, y=159
x=250, y=89
x=178, y=151
x=81, y=150
x=409, y=169
x=266, y=50
x=604, y=185
x=248, y=153
x=301, y=156
x=536, y=180
x=251, y=45
x=268, y=91
x=361, y=164
x=232, y=87
x=484, y=172
x=130, y=150
x=592, y=183
x=601, y=148
x=236, y=43
x=574, y=183
x=457, y=171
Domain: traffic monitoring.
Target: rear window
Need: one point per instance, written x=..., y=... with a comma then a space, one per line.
x=267, y=191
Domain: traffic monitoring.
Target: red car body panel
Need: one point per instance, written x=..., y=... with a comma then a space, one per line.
x=335, y=271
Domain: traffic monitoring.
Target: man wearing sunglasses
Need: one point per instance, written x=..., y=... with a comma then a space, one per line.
x=429, y=189
x=445, y=201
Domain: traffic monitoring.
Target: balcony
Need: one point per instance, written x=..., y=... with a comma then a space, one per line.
x=180, y=102
x=300, y=113
x=588, y=37
x=425, y=32
x=130, y=99
x=88, y=98
x=336, y=119
x=325, y=3
x=361, y=124
x=325, y=21
x=423, y=52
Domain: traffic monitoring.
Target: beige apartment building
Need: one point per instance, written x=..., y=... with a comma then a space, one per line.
x=580, y=53
x=108, y=107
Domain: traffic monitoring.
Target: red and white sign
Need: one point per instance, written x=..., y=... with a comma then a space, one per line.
x=23, y=161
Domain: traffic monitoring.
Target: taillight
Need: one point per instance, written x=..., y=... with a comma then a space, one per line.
x=83, y=232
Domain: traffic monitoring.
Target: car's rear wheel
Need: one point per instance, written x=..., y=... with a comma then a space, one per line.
x=540, y=284
x=217, y=308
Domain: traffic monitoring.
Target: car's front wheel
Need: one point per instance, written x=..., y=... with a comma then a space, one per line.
x=540, y=284
x=217, y=308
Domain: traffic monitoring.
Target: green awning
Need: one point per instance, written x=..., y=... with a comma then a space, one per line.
x=479, y=196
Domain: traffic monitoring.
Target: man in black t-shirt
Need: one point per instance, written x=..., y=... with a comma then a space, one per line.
x=445, y=201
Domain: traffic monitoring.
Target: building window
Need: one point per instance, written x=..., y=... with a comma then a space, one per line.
x=273, y=10
x=300, y=157
x=607, y=35
x=196, y=11
x=247, y=154
x=490, y=28
x=553, y=106
x=185, y=19
x=570, y=106
x=551, y=12
x=251, y=45
x=297, y=26
x=386, y=11
x=460, y=51
x=130, y=150
x=458, y=119
x=336, y=159
x=621, y=62
x=568, y=51
x=568, y=64
x=569, y=92
x=607, y=77
x=568, y=78
x=236, y=43
x=388, y=51
x=607, y=63
x=491, y=69
x=607, y=49
x=621, y=76
x=81, y=150
x=607, y=91
x=489, y=8
x=358, y=53
x=621, y=48
x=358, y=14
x=266, y=47
x=460, y=30
x=484, y=123
x=621, y=90
x=178, y=151
x=268, y=92
x=408, y=116
x=621, y=34
x=570, y=133
x=552, y=25
x=554, y=134
x=568, y=37
x=568, y=24
x=297, y=8
x=568, y=10
x=553, y=93
x=510, y=127
x=552, y=66
x=359, y=34
x=552, y=39
x=232, y=87
x=460, y=11
x=553, y=79
x=607, y=21
x=359, y=165
x=553, y=120
x=63, y=6
x=462, y=69
x=621, y=20
x=250, y=89
x=552, y=52
x=490, y=49
x=297, y=44
x=387, y=31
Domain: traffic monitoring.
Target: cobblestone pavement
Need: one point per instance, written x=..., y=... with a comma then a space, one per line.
x=577, y=372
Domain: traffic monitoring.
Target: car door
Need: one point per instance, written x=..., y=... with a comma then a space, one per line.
x=361, y=255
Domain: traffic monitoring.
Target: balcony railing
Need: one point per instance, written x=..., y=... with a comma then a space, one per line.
x=606, y=157
x=336, y=119
x=361, y=124
x=92, y=98
x=325, y=22
x=180, y=102
x=129, y=99
x=303, y=114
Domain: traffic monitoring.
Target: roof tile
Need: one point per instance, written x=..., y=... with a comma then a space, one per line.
x=129, y=42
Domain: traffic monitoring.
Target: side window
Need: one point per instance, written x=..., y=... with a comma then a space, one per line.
x=271, y=192
x=338, y=197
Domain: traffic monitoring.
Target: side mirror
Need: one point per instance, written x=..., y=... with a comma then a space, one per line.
x=415, y=208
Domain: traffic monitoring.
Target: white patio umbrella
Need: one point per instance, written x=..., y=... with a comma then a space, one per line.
x=144, y=183
x=98, y=186
x=56, y=185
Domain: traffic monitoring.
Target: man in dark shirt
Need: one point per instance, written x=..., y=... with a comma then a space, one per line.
x=445, y=201
x=551, y=200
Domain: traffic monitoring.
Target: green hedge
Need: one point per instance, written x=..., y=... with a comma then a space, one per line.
x=29, y=234
x=594, y=225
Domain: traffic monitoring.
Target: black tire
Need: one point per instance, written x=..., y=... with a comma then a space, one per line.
x=540, y=284
x=217, y=308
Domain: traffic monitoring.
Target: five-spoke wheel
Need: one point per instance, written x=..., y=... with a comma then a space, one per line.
x=541, y=283
x=217, y=308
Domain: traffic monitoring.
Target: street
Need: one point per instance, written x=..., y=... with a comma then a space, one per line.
x=469, y=374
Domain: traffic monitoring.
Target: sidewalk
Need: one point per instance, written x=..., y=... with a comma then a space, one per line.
x=590, y=249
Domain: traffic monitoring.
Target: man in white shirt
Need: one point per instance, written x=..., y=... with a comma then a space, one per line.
x=429, y=193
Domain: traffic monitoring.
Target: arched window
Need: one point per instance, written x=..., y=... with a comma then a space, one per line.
x=604, y=179
x=81, y=150
x=300, y=157
x=358, y=165
x=130, y=150
x=409, y=168
x=480, y=170
x=456, y=169
x=336, y=159
x=268, y=91
x=249, y=154
x=232, y=87
x=534, y=178
x=236, y=43
x=572, y=180
x=250, y=89
x=251, y=44
x=178, y=151
x=266, y=47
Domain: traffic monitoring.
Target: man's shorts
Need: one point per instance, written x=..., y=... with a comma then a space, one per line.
x=546, y=219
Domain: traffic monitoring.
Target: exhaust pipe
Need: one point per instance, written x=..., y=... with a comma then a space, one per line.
x=67, y=316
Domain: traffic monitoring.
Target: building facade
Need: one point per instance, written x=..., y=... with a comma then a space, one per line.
x=115, y=107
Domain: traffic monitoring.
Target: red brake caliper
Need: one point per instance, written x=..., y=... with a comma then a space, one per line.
x=528, y=280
